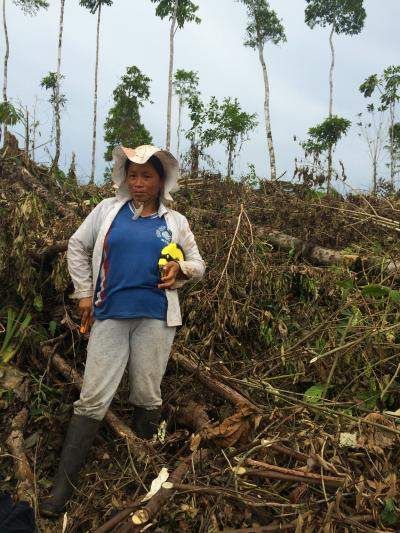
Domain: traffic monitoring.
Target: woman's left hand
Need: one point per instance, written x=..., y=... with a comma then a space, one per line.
x=171, y=272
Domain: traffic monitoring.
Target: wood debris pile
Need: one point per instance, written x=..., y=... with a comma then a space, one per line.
x=282, y=394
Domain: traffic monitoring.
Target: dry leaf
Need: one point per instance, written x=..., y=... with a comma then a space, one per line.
x=233, y=429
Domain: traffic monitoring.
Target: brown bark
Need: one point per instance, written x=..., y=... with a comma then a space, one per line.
x=212, y=382
x=193, y=415
x=139, y=447
x=287, y=474
x=23, y=472
x=48, y=253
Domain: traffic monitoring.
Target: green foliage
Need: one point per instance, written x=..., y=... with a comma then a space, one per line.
x=228, y=124
x=123, y=124
x=186, y=12
x=379, y=292
x=31, y=7
x=49, y=82
x=387, y=85
x=314, y=393
x=326, y=135
x=9, y=115
x=345, y=16
x=14, y=333
x=390, y=515
x=264, y=26
x=185, y=84
x=93, y=5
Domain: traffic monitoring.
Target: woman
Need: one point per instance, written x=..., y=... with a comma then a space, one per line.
x=113, y=262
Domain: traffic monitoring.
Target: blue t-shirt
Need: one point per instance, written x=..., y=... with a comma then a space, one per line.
x=127, y=283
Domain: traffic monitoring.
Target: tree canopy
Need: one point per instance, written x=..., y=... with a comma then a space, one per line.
x=264, y=26
x=345, y=16
x=93, y=5
x=31, y=7
x=187, y=11
x=123, y=124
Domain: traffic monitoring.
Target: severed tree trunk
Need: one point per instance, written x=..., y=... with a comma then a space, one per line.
x=170, y=74
x=330, y=152
x=178, y=131
x=57, y=90
x=96, y=72
x=6, y=56
x=267, y=113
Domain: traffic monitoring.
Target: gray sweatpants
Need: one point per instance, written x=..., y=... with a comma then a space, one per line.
x=143, y=343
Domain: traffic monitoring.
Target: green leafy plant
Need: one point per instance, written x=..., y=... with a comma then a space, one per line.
x=14, y=333
x=314, y=393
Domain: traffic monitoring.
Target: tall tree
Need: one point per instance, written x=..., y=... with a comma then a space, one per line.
x=230, y=125
x=198, y=118
x=388, y=87
x=324, y=137
x=179, y=12
x=264, y=26
x=123, y=124
x=29, y=7
x=342, y=17
x=372, y=131
x=185, y=84
x=57, y=102
x=95, y=6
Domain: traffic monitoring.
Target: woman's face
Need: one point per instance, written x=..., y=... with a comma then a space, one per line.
x=143, y=182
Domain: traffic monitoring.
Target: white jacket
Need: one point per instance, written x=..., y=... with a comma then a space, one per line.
x=85, y=249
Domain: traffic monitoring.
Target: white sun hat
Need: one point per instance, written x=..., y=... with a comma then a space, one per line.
x=141, y=155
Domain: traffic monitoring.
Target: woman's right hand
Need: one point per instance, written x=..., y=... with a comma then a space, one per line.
x=85, y=308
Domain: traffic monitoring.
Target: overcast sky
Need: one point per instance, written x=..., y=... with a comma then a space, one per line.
x=131, y=34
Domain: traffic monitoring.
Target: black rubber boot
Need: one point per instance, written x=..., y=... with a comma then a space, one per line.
x=80, y=435
x=145, y=422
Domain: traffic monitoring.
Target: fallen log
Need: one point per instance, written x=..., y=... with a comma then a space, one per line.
x=48, y=253
x=30, y=181
x=139, y=447
x=23, y=472
x=323, y=256
x=205, y=377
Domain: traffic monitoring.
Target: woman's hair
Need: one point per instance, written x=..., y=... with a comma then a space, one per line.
x=154, y=162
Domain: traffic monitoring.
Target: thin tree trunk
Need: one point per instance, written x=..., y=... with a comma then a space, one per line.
x=374, y=175
x=392, y=172
x=230, y=162
x=330, y=153
x=57, y=91
x=27, y=130
x=267, y=114
x=194, y=159
x=96, y=72
x=170, y=74
x=6, y=56
x=178, y=132
x=33, y=137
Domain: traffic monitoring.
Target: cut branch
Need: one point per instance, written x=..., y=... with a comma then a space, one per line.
x=23, y=472
x=205, y=377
